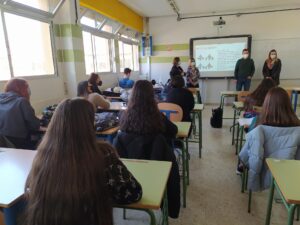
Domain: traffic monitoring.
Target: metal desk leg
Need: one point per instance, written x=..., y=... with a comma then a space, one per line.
x=187, y=161
x=241, y=138
x=183, y=155
x=233, y=126
x=291, y=214
x=200, y=133
x=270, y=202
x=165, y=212
x=237, y=139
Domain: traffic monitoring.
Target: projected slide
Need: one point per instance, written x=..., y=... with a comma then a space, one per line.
x=217, y=56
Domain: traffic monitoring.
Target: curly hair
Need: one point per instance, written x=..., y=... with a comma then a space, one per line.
x=142, y=115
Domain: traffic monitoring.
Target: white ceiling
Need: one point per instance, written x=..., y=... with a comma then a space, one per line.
x=154, y=8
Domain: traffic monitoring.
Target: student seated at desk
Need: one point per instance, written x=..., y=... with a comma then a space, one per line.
x=17, y=117
x=277, y=136
x=74, y=179
x=126, y=83
x=84, y=90
x=146, y=134
x=181, y=96
x=95, y=81
x=256, y=98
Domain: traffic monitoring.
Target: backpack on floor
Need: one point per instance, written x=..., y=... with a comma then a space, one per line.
x=216, y=118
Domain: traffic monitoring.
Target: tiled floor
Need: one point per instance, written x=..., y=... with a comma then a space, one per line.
x=214, y=197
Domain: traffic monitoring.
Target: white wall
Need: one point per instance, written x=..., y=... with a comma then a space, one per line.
x=268, y=28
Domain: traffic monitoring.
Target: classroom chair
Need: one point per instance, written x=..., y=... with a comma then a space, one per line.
x=241, y=97
x=293, y=140
x=172, y=111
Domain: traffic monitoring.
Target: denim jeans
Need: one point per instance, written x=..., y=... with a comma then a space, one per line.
x=243, y=82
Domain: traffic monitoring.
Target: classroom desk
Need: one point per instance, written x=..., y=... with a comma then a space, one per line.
x=226, y=94
x=198, y=108
x=237, y=108
x=118, y=106
x=242, y=123
x=108, y=134
x=16, y=164
x=183, y=132
x=14, y=168
x=154, y=187
x=286, y=180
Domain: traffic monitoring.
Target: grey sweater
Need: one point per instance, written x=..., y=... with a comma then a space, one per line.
x=17, y=117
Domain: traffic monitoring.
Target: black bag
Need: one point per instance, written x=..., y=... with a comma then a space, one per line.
x=216, y=119
x=106, y=120
x=47, y=115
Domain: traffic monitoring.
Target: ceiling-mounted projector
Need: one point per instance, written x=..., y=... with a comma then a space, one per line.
x=219, y=22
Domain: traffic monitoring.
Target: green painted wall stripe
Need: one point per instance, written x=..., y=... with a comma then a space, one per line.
x=171, y=47
x=68, y=30
x=69, y=55
x=167, y=59
x=143, y=60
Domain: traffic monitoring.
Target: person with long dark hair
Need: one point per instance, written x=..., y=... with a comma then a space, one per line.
x=277, y=136
x=84, y=90
x=257, y=97
x=272, y=67
x=95, y=81
x=147, y=134
x=74, y=178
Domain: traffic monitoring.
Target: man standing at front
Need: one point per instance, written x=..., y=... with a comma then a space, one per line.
x=244, y=70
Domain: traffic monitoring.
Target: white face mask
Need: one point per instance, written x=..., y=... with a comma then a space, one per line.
x=245, y=56
x=179, y=63
x=193, y=63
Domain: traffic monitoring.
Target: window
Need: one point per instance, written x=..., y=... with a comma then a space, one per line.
x=129, y=56
x=32, y=55
x=102, y=54
x=44, y=5
x=26, y=39
x=4, y=66
x=97, y=53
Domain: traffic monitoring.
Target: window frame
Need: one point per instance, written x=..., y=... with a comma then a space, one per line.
x=131, y=43
x=29, y=12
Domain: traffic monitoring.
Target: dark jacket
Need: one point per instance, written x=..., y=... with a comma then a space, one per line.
x=184, y=98
x=122, y=185
x=152, y=147
x=17, y=117
x=176, y=70
x=95, y=89
x=244, y=68
x=274, y=73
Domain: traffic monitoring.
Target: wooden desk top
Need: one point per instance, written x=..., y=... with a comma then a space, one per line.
x=109, y=131
x=117, y=106
x=292, y=88
x=229, y=93
x=183, y=129
x=198, y=107
x=15, y=166
x=286, y=175
x=238, y=105
x=146, y=172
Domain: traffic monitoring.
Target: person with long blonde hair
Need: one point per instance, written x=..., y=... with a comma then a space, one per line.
x=272, y=67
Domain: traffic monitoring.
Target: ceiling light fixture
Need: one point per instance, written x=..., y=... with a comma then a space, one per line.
x=175, y=8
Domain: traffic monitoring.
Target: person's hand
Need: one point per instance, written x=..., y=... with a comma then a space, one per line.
x=249, y=77
x=234, y=80
x=182, y=73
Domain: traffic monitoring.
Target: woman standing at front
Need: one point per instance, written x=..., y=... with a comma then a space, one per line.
x=176, y=69
x=272, y=67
